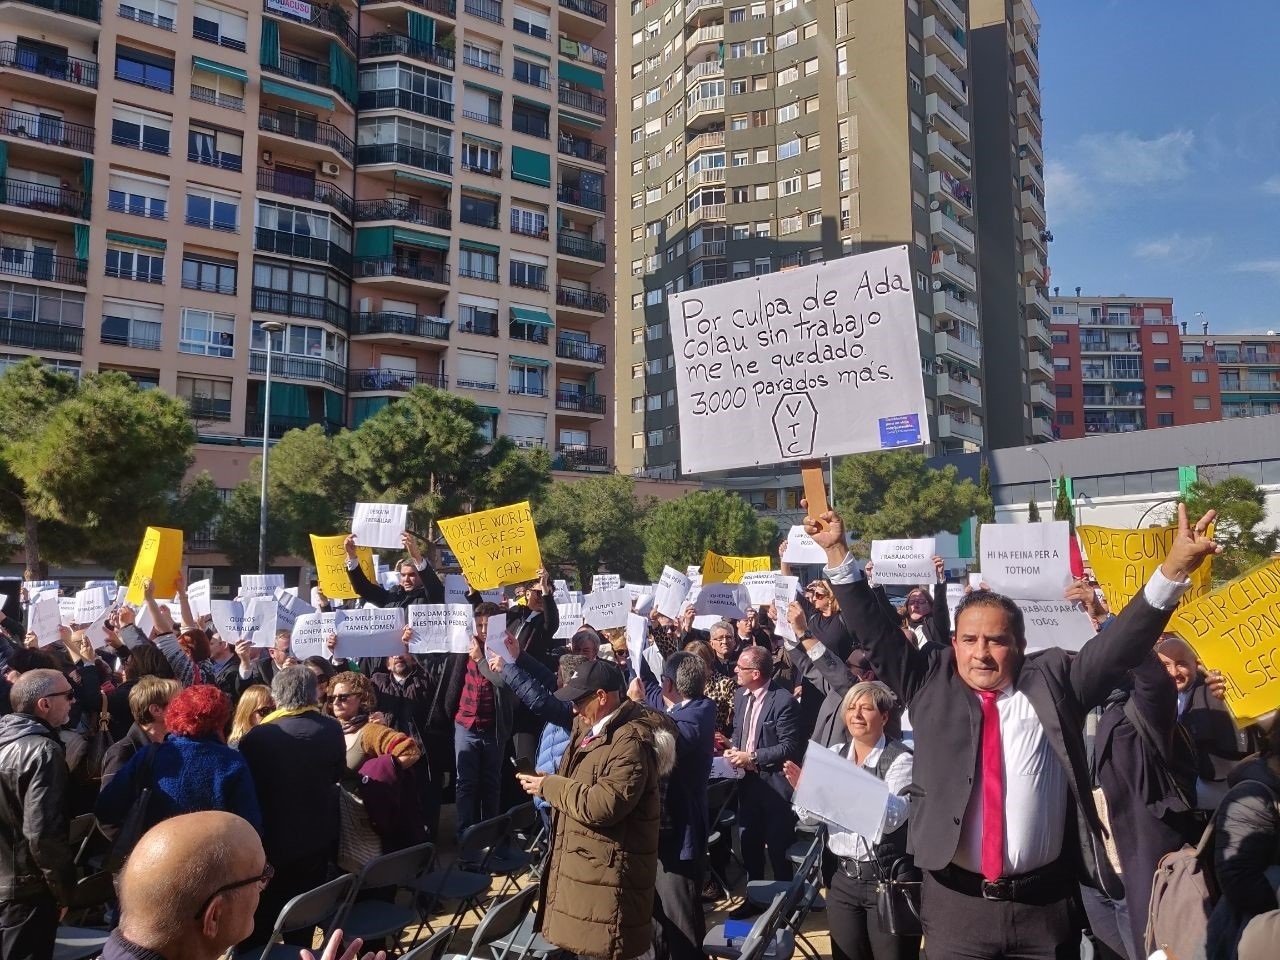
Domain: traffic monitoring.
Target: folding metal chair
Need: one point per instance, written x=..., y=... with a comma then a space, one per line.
x=524, y=829
x=433, y=947
x=720, y=794
x=766, y=938
x=315, y=908
x=377, y=919
x=503, y=917
x=467, y=886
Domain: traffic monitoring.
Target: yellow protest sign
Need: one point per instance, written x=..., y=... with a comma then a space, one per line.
x=159, y=560
x=1236, y=629
x=718, y=569
x=331, y=566
x=1124, y=560
x=495, y=547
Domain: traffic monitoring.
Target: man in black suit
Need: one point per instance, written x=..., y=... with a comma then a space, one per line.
x=766, y=732
x=418, y=582
x=1003, y=820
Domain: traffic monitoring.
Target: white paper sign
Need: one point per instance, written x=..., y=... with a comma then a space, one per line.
x=603, y=609
x=784, y=591
x=198, y=596
x=310, y=633
x=760, y=586
x=380, y=525
x=839, y=791
x=1055, y=623
x=236, y=620
x=783, y=358
x=561, y=594
x=495, y=643
x=955, y=593
x=44, y=621
x=638, y=590
x=37, y=590
x=90, y=604
x=260, y=585
x=571, y=618
x=693, y=571
x=496, y=595
x=904, y=562
x=673, y=586
x=605, y=581
x=802, y=549
x=97, y=630
x=110, y=586
x=975, y=580
x=1026, y=560
x=728, y=601
x=441, y=627
x=637, y=638
x=370, y=632
x=67, y=610
x=294, y=604
x=455, y=588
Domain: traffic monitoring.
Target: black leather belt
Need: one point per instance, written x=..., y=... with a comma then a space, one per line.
x=856, y=869
x=1037, y=887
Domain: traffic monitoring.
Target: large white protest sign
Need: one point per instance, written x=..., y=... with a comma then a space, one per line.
x=235, y=620
x=198, y=596
x=44, y=620
x=571, y=618
x=370, y=632
x=260, y=584
x=638, y=590
x=110, y=586
x=605, y=581
x=783, y=358
x=955, y=593
x=90, y=604
x=311, y=632
x=455, y=588
x=561, y=592
x=67, y=610
x=725, y=600
x=1026, y=560
x=379, y=525
x=603, y=609
x=1055, y=623
x=293, y=603
x=673, y=586
x=903, y=561
x=441, y=627
x=760, y=586
x=37, y=590
x=802, y=549
x=841, y=792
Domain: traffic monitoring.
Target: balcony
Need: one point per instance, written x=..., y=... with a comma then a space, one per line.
x=947, y=345
x=312, y=131
x=1041, y=365
x=950, y=426
x=405, y=211
x=1030, y=171
x=397, y=44
x=965, y=390
x=303, y=246
x=41, y=266
x=1033, y=207
x=947, y=304
x=581, y=351
x=1026, y=82
x=488, y=64
x=304, y=188
x=694, y=7
x=942, y=79
x=590, y=404
x=573, y=456
x=302, y=70
x=590, y=199
x=405, y=155
x=209, y=410
x=36, y=335
x=1135, y=400
x=946, y=230
x=406, y=100
x=588, y=300
x=302, y=305
x=946, y=119
x=480, y=218
x=584, y=53
x=401, y=324
x=706, y=106
x=315, y=369
x=947, y=266
x=480, y=324
x=1042, y=428
x=280, y=425
x=82, y=9
x=1035, y=297
x=215, y=98
x=713, y=34
x=574, y=245
x=365, y=268
x=708, y=211
x=582, y=100
x=127, y=340
x=1031, y=140
x=73, y=70
x=951, y=12
x=1034, y=234
x=1037, y=329
x=1030, y=113
x=1026, y=52
x=1042, y=396
x=951, y=191
x=49, y=131
x=43, y=198
x=592, y=9
x=393, y=381
x=946, y=156
x=331, y=19
x=707, y=68
x=490, y=10
x=940, y=41
x=581, y=148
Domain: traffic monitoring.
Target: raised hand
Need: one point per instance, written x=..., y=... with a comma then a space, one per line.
x=349, y=545
x=827, y=532
x=1191, y=546
x=410, y=544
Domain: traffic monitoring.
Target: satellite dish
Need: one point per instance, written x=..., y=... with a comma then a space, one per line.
x=937, y=285
x=934, y=205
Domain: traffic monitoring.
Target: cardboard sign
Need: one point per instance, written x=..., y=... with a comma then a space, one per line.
x=783, y=358
x=1026, y=560
x=441, y=627
x=380, y=525
x=904, y=562
x=727, y=601
x=1124, y=560
x=496, y=548
x=1055, y=623
x=604, y=609
x=801, y=549
x=331, y=566
x=44, y=620
x=159, y=560
x=370, y=632
x=760, y=586
x=605, y=581
x=571, y=618
x=90, y=604
x=1236, y=629
x=669, y=596
x=718, y=569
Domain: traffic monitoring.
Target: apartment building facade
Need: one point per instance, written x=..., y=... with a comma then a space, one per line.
x=762, y=135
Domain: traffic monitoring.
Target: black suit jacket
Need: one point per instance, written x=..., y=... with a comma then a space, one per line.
x=947, y=718
x=778, y=735
x=431, y=591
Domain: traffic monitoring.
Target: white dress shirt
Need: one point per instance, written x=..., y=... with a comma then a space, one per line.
x=846, y=843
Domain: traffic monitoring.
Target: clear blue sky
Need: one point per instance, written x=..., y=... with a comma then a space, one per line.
x=1162, y=154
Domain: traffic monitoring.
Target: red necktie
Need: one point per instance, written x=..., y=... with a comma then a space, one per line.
x=992, y=788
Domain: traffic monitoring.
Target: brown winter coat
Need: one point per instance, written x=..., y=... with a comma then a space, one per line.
x=598, y=889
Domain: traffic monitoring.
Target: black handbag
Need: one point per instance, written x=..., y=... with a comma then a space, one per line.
x=135, y=823
x=898, y=898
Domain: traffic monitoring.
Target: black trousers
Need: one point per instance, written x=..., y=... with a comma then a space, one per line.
x=28, y=928
x=855, y=929
x=431, y=782
x=677, y=909
x=291, y=879
x=766, y=821
x=962, y=927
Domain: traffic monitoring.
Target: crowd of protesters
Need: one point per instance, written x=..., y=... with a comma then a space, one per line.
x=1031, y=794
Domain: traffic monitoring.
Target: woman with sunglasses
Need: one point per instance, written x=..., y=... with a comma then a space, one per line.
x=254, y=706
x=821, y=613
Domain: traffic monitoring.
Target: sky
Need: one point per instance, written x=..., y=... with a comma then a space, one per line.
x=1162, y=154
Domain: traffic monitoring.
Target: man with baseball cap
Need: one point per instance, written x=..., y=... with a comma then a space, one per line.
x=597, y=896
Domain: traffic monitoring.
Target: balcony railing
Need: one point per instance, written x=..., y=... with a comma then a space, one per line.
x=331, y=19
x=572, y=456
x=217, y=158
x=492, y=66
x=35, y=335
x=566, y=193
x=581, y=100
x=280, y=425
x=490, y=10
x=482, y=326
x=392, y=44
x=38, y=265
x=570, y=349
x=45, y=198
x=529, y=229
x=298, y=68
x=305, y=188
x=584, y=247
x=533, y=123
x=215, y=36
x=129, y=12
x=209, y=409
x=579, y=402
x=85, y=9
x=582, y=299
x=364, y=267
x=406, y=100
x=484, y=169
x=528, y=281
x=300, y=245
x=406, y=155
x=492, y=119
x=312, y=131
x=302, y=305
x=299, y=368
x=588, y=8
x=48, y=130
x=403, y=324
x=216, y=98
x=125, y=340
x=83, y=73
x=582, y=149
x=477, y=273
x=406, y=211
x=400, y=381
x=474, y=218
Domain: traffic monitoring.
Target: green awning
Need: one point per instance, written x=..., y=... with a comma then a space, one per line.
x=430, y=181
x=531, y=166
x=480, y=86
x=481, y=190
x=581, y=75
x=113, y=237
x=584, y=121
x=480, y=247
x=528, y=315
x=416, y=239
x=532, y=53
x=483, y=141
x=235, y=73
x=298, y=96
x=492, y=411
x=531, y=361
x=530, y=103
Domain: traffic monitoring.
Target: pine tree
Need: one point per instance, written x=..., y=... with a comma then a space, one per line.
x=1033, y=511
x=1062, y=506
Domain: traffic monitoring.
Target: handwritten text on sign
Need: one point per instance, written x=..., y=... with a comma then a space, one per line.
x=787, y=356
x=495, y=547
x=1124, y=560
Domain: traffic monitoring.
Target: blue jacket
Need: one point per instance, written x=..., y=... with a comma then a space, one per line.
x=552, y=743
x=534, y=686
x=186, y=776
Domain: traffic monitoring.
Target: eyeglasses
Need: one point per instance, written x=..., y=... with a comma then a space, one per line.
x=262, y=879
x=343, y=697
x=738, y=666
x=68, y=693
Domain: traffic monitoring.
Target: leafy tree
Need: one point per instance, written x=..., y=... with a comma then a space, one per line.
x=1033, y=511
x=1062, y=505
x=680, y=532
x=897, y=494
x=86, y=465
x=1241, y=507
x=593, y=523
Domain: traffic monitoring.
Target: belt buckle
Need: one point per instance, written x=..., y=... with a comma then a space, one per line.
x=1001, y=889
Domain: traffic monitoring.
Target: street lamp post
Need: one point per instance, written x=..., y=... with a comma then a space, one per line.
x=1052, y=479
x=270, y=328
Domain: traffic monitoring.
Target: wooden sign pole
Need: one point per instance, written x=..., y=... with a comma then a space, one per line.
x=815, y=489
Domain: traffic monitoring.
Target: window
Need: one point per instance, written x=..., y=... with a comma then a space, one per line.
x=1200, y=403
x=788, y=75
x=534, y=74
x=527, y=379
x=155, y=13
x=208, y=274
x=737, y=51
x=788, y=112
x=217, y=89
x=477, y=371
x=401, y=85
x=1164, y=420
x=140, y=129
x=478, y=315
x=479, y=211
x=227, y=28
x=813, y=180
x=531, y=223
x=788, y=186
x=144, y=69
x=1066, y=418
x=299, y=291
x=531, y=120
x=842, y=61
x=534, y=23
x=1061, y=363
x=1159, y=336
x=477, y=55
x=135, y=263
x=214, y=209
x=139, y=196
x=478, y=264
x=654, y=438
x=740, y=122
x=208, y=398
x=530, y=275
x=206, y=333
x=738, y=87
x=789, y=149
x=127, y=323
x=1164, y=393
x=1163, y=365
x=759, y=47
x=1199, y=376
x=214, y=148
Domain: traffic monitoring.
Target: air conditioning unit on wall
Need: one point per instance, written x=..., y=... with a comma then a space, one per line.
x=329, y=168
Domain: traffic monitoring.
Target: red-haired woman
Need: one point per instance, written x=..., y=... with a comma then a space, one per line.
x=192, y=770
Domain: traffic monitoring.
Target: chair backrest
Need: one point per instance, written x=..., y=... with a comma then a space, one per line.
x=503, y=918
x=758, y=938
x=719, y=793
x=395, y=869
x=523, y=817
x=313, y=908
x=433, y=947
x=480, y=839
x=812, y=858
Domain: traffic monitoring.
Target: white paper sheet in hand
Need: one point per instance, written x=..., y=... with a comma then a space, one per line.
x=1055, y=623
x=607, y=608
x=837, y=790
x=1031, y=561
x=784, y=591
x=260, y=585
x=311, y=632
x=605, y=581
x=90, y=604
x=455, y=588
x=495, y=642
x=904, y=562
x=571, y=618
x=637, y=636
x=955, y=593
x=727, y=600
x=44, y=620
x=802, y=549
x=379, y=525
x=67, y=610
x=669, y=595
x=653, y=657
x=198, y=596
x=441, y=627
x=760, y=585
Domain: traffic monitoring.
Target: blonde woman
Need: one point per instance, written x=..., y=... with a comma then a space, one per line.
x=254, y=706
